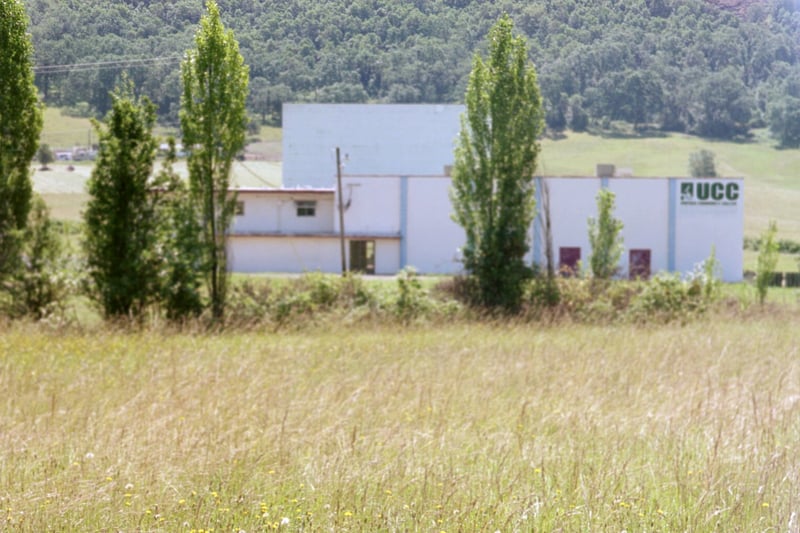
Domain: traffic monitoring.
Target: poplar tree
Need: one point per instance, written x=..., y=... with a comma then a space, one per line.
x=605, y=237
x=20, y=125
x=493, y=189
x=121, y=226
x=214, y=121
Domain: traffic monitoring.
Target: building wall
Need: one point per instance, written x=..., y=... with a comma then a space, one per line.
x=710, y=217
x=387, y=256
x=415, y=209
x=298, y=254
x=275, y=211
x=374, y=139
x=642, y=204
x=372, y=205
x=408, y=217
x=432, y=238
x=270, y=253
x=679, y=233
x=572, y=201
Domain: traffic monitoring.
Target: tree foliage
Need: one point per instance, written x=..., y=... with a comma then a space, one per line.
x=652, y=63
x=121, y=227
x=180, y=249
x=492, y=189
x=20, y=124
x=45, y=156
x=39, y=286
x=605, y=237
x=701, y=164
x=214, y=122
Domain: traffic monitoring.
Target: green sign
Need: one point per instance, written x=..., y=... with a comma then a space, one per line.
x=708, y=192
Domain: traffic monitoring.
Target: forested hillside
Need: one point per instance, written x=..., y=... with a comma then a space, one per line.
x=677, y=65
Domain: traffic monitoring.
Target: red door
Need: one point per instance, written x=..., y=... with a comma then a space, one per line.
x=568, y=259
x=639, y=264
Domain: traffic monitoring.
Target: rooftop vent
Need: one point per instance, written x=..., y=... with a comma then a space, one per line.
x=604, y=170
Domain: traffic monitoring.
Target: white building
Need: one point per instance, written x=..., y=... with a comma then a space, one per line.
x=397, y=209
x=395, y=140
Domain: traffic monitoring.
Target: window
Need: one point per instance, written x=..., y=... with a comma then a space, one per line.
x=568, y=259
x=306, y=208
x=362, y=256
x=639, y=264
x=239, y=211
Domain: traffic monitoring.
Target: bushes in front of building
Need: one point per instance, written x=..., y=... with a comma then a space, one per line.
x=313, y=298
x=664, y=298
x=316, y=299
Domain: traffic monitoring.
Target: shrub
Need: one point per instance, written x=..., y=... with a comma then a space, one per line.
x=411, y=298
x=767, y=260
x=40, y=285
x=281, y=301
x=543, y=291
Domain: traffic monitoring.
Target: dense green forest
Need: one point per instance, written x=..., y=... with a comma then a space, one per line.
x=673, y=65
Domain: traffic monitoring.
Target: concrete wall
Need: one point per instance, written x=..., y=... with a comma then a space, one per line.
x=298, y=254
x=283, y=254
x=642, y=206
x=432, y=240
x=372, y=205
x=376, y=139
x=572, y=201
x=275, y=211
x=387, y=256
x=415, y=209
x=710, y=217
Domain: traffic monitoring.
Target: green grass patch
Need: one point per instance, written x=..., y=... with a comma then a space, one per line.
x=63, y=132
x=786, y=262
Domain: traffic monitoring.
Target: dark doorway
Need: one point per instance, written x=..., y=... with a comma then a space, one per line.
x=362, y=256
x=639, y=264
x=568, y=259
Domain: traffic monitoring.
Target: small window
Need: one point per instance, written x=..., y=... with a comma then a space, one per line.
x=239, y=208
x=306, y=208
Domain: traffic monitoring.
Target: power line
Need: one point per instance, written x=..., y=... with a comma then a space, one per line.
x=106, y=65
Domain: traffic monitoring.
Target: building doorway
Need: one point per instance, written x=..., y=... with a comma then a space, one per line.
x=362, y=256
x=639, y=264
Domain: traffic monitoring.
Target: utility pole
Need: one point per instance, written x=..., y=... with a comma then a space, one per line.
x=341, y=209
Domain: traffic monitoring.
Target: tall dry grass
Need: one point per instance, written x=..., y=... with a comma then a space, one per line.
x=460, y=428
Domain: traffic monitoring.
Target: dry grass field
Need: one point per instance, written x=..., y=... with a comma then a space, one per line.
x=465, y=427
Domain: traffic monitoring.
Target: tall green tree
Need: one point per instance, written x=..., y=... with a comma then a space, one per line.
x=20, y=125
x=493, y=189
x=121, y=226
x=214, y=122
x=605, y=237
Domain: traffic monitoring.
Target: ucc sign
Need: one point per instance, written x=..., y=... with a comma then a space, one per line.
x=709, y=193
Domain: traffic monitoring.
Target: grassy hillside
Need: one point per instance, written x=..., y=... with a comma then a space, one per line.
x=62, y=132
x=458, y=428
